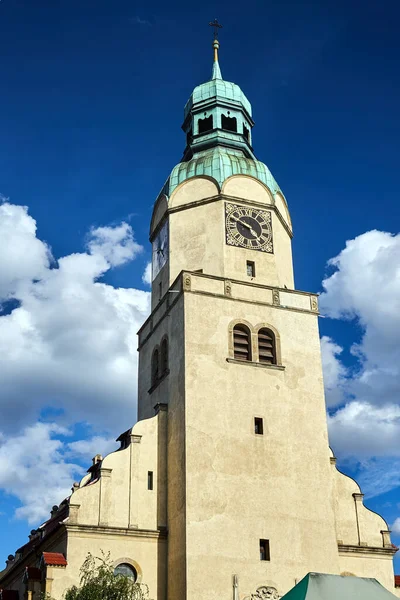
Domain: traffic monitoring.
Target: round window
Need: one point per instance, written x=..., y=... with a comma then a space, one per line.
x=126, y=571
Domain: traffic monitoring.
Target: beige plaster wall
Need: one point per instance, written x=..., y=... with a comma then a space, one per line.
x=120, y=498
x=192, y=190
x=363, y=565
x=197, y=241
x=147, y=555
x=170, y=391
x=241, y=487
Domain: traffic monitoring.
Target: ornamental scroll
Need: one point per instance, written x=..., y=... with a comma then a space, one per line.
x=264, y=593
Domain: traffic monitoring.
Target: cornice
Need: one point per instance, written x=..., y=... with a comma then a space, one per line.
x=225, y=197
x=75, y=530
x=388, y=552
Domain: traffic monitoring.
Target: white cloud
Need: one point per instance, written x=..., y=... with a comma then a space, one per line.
x=33, y=468
x=361, y=430
x=87, y=449
x=71, y=344
x=23, y=256
x=396, y=526
x=115, y=244
x=365, y=288
x=146, y=278
x=335, y=373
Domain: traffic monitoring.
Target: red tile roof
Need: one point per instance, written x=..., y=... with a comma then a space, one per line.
x=54, y=559
x=397, y=581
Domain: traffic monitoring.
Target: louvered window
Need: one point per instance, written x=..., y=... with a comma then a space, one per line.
x=241, y=343
x=266, y=347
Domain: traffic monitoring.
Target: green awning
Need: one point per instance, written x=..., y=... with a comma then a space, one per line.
x=318, y=586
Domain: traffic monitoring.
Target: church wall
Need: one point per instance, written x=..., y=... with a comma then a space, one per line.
x=147, y=555
x=169, y=391
x=248, y=188
x=120, y=497
x=197, y=241
x=196, y=238
x=241, y=487
x=364, y=565
x=355, y=524
x=192, y=190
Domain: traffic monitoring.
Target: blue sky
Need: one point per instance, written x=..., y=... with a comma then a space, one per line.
x=91, y=107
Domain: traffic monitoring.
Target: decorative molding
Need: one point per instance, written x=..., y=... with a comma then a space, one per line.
x=187, y=282
x=117, y=531
x=363, y=550
x=160, y=406
x=358, y=497
x=228, y=288
x=105, y=472
x=255, y=364
x=135, y=439
x=314, y=303
x=265, y=592
x=219, y=197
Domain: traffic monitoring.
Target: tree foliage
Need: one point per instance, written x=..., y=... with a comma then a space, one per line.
x=98, y=582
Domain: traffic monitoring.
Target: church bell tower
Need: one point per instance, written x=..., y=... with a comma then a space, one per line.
x=231, y=353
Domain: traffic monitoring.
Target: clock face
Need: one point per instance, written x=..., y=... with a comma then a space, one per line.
x=160, y=250
x=249, y=228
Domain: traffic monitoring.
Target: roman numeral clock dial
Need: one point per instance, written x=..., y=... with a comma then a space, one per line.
x=249, y=228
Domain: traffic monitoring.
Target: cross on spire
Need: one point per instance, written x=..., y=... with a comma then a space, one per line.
x=216, y=26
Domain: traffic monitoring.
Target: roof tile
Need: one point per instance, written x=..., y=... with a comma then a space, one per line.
x=54, y=559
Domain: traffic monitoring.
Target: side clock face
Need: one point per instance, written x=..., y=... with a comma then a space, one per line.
x=249, y=228
x=160, y=250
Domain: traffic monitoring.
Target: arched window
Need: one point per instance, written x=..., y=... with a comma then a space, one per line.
x=164, y=356
x=266, y=346
x=241, y=342
x=205, y=124
x=246, y=133
x=155, y=367
x=126, y=570
x=229, y=123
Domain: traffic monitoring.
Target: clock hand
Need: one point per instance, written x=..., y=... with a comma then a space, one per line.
x=246, y=225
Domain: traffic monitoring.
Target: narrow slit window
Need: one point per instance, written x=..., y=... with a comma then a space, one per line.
x=266, y=347
x=160, y=290
x=264, y=550
x=150, y=480
x=258, y=426
x=241, y=343
x=251, y=268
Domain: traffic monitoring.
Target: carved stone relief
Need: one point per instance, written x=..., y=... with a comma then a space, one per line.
x=314, y=303
x=264, y=593
x=275, y=298
x=228, y=288
x=187, y=283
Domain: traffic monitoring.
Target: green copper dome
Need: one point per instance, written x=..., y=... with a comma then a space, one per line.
x=220, y=163
x=219, y=90
x=218, y=124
